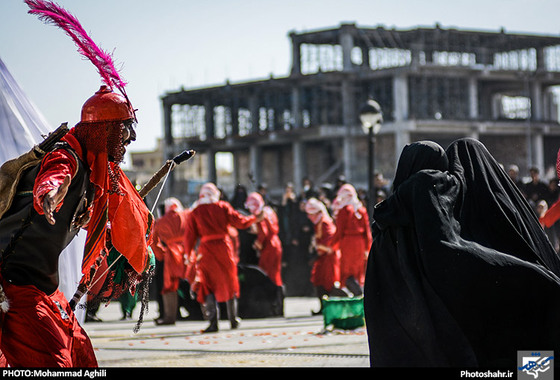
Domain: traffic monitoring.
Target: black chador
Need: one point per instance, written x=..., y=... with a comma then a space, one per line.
x=460, y=273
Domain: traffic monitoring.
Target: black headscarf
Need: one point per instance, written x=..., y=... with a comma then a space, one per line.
x=418, y=156
x=435, y=298
x=492, y=210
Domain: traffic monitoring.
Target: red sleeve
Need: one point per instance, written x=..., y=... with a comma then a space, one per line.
x=54, y=168
x=238, y=220
x=274, y=226
x=552, y=215
x=262, y=232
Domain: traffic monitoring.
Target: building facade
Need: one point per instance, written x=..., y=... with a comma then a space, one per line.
x=431, y=83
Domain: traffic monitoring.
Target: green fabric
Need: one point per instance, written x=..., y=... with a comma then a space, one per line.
x=343, y=313
x=119, y=267
x=128, y=302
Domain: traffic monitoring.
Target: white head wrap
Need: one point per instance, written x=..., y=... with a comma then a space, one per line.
x=347, y=195
x=172, y=204
x=254, y=203
x=316, y=210
x=209, y=193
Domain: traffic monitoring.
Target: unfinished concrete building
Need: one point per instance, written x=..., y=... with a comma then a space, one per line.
x=432, y=83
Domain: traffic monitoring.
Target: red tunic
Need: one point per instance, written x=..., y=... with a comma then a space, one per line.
x=216, y=265
x=326, y=269
x=269, y=245
x=42, y=331
x=130, y=218
x=168, y=247
x=353, y=234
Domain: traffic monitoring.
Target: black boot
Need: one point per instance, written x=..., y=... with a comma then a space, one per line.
x=169, y=309
x=231, y=306
x=211, y=313
x=279, y=301
x=354, y=287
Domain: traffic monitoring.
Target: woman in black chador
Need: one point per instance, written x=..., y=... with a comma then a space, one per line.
x=460, y=272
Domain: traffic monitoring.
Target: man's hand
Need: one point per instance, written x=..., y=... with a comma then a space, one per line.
x=54, y=197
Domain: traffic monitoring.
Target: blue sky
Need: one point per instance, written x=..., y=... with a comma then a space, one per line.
x=165, y=44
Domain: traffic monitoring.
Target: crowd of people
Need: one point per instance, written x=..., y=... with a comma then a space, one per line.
x=541, y=195
x=326, y=234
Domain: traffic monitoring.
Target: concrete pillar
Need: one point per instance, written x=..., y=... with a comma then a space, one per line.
x=349, y=106
x=234, y=111
x=365, y=58
x=168, y=147
x=254, y=112
x=296, y=108
x=299, y=164
x=347, y=43
x=473, y=98
x=540, y=59
x=167, y=131
x=416, y=51
x=211, y=164
x=400, y=97
x=255, y=164
x=538, y=151
x=296, y=55
x=350, y=121
x=348, y=149
x=209, y=119
x=235, y=172
x=536, y=101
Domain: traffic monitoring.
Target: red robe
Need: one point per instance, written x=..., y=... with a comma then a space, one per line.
x=168, y=247
x=269, y=245
x=326, y=269
x=216, y=265
x=353, y=234
x=42, y=331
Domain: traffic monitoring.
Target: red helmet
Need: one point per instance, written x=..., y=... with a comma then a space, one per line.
x=106, y=105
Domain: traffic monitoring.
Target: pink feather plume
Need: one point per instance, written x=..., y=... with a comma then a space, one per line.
x=50, y=12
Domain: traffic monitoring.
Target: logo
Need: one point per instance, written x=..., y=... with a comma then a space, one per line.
x=535, y=365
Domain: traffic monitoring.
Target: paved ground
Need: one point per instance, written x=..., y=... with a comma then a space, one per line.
x=298, y=339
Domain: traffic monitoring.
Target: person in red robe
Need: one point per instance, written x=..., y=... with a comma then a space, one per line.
x=216, y=262
x=267, y=243
x=77, y=185
x=353, y=234
x=325, y=273
x=168, y=247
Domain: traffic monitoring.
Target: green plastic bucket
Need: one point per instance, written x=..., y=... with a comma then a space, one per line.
x=343, y=312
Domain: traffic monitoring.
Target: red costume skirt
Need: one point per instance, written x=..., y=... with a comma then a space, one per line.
x=216, y=271
x=326, y=270
x=270, y=261
x=41, y=330
x=352, y=259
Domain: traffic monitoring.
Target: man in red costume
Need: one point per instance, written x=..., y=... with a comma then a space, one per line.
x=353, y=234
x=77, y=185
x=267, y=243
x=216, y=263
x=325, y=274
x=168, y=246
